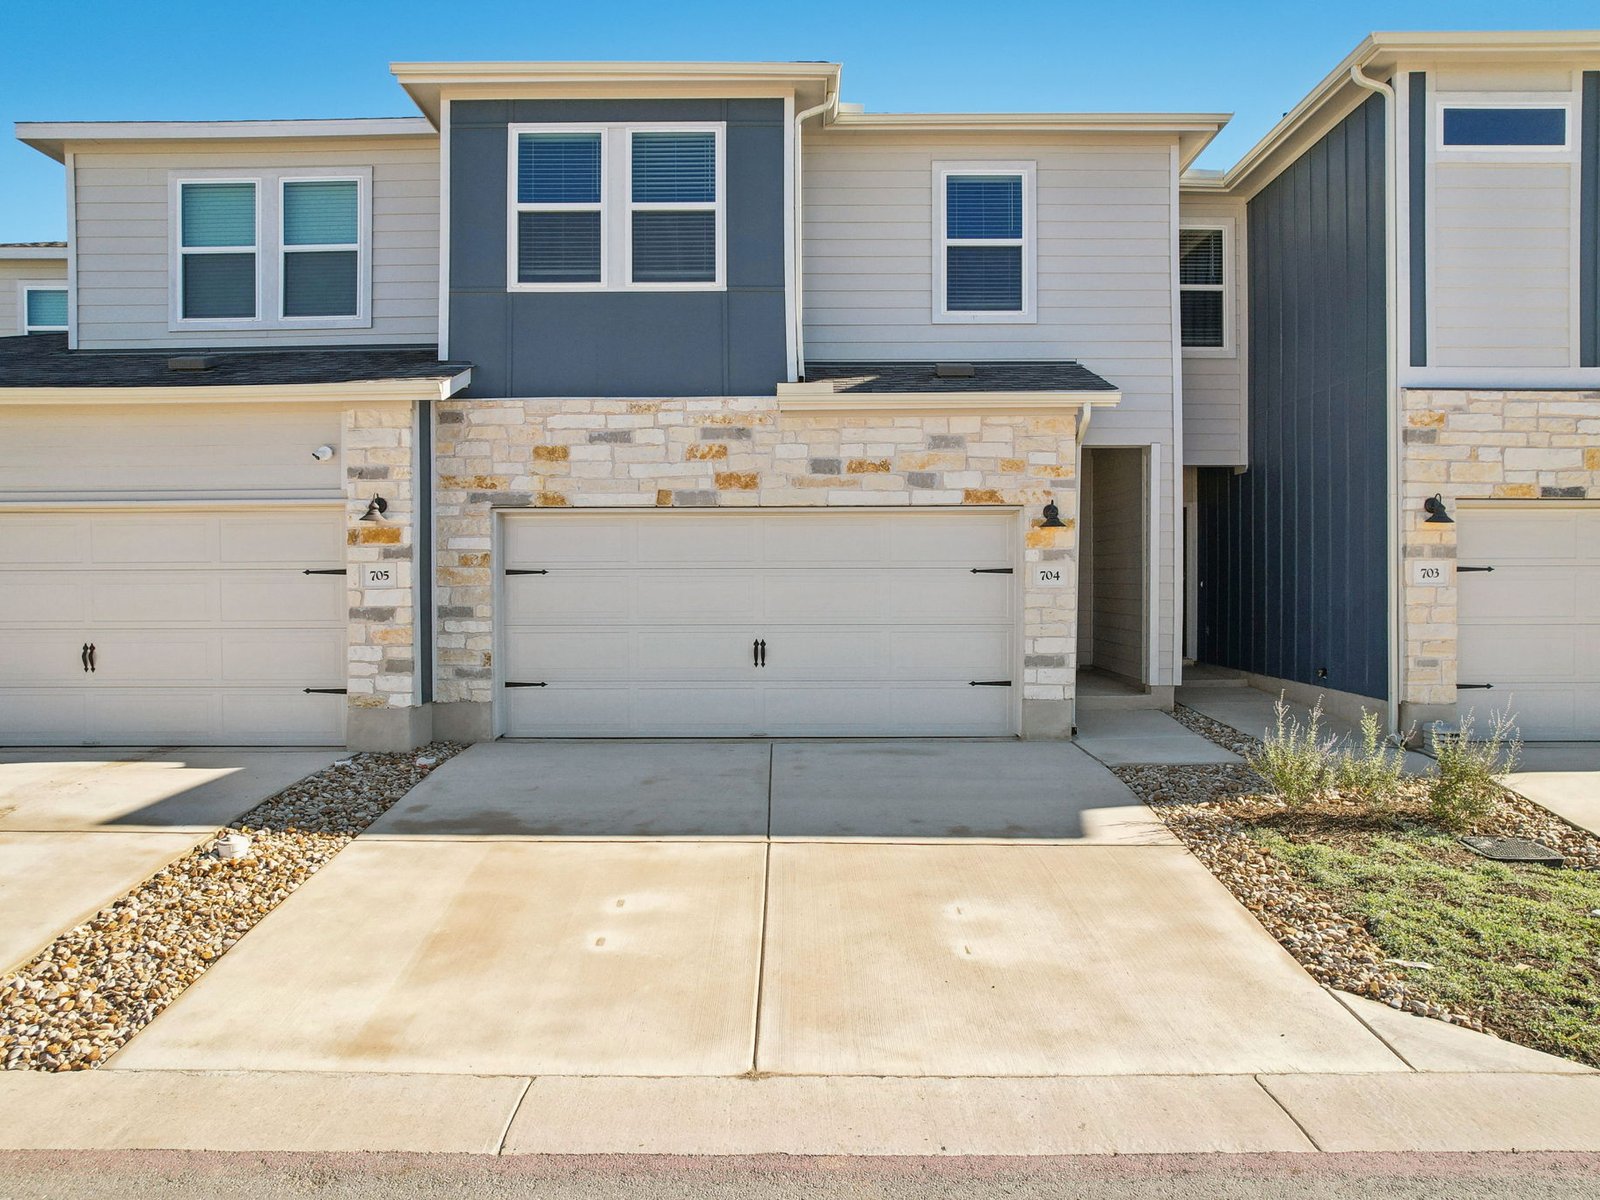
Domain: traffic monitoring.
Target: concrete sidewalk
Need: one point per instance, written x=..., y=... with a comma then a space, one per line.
x=515, y=1115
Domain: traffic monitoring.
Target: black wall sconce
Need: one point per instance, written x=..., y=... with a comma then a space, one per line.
x=375, y=509
x=1437, y=514
x=1052, y=516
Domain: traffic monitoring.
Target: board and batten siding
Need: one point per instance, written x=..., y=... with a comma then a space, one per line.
x=122, y=200
x=1501, y=251
x=15, y=271
x=1214, y=384
x=1104, y=209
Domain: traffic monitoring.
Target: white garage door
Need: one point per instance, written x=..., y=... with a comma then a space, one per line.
x=1530, y=627
x=171, y=628
x=779, y=624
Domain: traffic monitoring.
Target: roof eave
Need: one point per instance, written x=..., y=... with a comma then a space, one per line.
x=437, y=387
x=52, y=137
x=820, y=397
x=33, y=254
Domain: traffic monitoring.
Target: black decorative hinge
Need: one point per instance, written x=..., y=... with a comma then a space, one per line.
x=1474, y=687
x=323, y=571
x=523, y=571
x=988, y=683
x=992, y=571
x=1459, y=569
x=325, y=691
x=511, y=685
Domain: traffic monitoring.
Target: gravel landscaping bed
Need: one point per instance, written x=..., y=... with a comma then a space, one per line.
x=1264, y=852
x=76, y=1002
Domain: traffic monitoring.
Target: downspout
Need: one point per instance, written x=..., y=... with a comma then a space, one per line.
x=1391, y=287
x=828, y=105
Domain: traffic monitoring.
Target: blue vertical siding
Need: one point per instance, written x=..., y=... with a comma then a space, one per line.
x=1589, y=223
x=1292, y=555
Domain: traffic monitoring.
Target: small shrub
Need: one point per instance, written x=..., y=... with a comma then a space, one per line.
x=1464, y=788
x=1295, y=760
x=1372, y=772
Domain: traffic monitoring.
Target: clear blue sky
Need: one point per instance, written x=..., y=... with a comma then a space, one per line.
x=115, y=60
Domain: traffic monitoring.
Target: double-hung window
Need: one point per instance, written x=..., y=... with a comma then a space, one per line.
x=983, y=267
x=218, y=268
x=44, y=308
x=616, y=207
x=1203, y=288
x=279, y=249
x=321, y=248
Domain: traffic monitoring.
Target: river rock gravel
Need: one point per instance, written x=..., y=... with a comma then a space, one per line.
x=76, y=1002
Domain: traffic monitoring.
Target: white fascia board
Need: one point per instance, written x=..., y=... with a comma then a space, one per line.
x=52, y=137
x=361, y=391
x=33, y=253
x=819, y=397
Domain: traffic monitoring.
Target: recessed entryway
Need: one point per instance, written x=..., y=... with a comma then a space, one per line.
x=1113, y=578
x=772, y=623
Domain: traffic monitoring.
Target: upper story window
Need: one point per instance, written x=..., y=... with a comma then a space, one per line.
x=616, y=208
x=277, y=250
x=1502, y=126
x=43, y=308
x=1203, y=287
x=983, y=267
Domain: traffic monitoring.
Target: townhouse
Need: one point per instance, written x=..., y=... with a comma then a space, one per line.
x=630, y=399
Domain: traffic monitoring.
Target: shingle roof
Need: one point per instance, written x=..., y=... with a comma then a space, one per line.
x=42, y=360
x=33, y=245
x=1053, y=375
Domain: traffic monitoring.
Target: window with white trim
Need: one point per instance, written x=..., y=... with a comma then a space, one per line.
x=276, y=249
x=1492, y=125
x=218, y=230
x=616, y=207
x=44, y=308
x=983, y=241
x=1202, y=286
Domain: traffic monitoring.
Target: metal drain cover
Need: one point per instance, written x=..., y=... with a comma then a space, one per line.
x=1514, y=850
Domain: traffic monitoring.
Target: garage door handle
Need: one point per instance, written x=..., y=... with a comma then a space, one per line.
x=325, y=691
x=991, y=571
x=523, y=571
x=1474, y=687
x=511, y=685
x=1460, y=569
x=85, y=657
x=763, y=645
x=323, y=571
x=988, y=683
x=755, y=653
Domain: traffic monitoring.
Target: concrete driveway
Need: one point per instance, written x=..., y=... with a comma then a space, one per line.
x=1564, y=777
x=905, y=908
x=80, y=827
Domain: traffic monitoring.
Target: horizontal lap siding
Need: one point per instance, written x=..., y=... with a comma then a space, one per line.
x=1104, y=261
x=1502, y=264
x=1293, y=551
x=1213, y=388
x=123, y=247
x=13, y=272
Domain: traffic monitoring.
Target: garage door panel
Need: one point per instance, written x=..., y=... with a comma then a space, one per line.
x=41, y=539
x=157, y=656
x=40, y=598
x=302, y=540
x=539, y=541
x=281, y=595
x=151, y=714
x=953, y=539
x=29, y=716
x=289, y=717
x=166, y=538
x=178, y=598
x=306, y=657
x=41, y=656
x=802, y=542
x=699, y=541
x=657, y=653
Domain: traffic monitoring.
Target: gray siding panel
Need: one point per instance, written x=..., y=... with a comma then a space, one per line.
x=1417, y=234
x=1589, y=224
x=732, y=342
x=1292, y=551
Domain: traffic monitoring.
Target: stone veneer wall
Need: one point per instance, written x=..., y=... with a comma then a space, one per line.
x=380, y=460
x=1466, y=445
x=742, y=453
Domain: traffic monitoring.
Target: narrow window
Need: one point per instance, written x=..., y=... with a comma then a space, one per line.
x=672, y=207
x=44, y=310
x=559, y=201
x=1507, y=128
x=321, y=248
x=984, y=243
x=1201, y=287
x=217, y=246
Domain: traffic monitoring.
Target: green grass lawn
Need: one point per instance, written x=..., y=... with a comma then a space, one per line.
x=1516, y=945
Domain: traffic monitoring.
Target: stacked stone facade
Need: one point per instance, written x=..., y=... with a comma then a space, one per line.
x=1465, y=445
x=745, y=453
x=380, y=459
